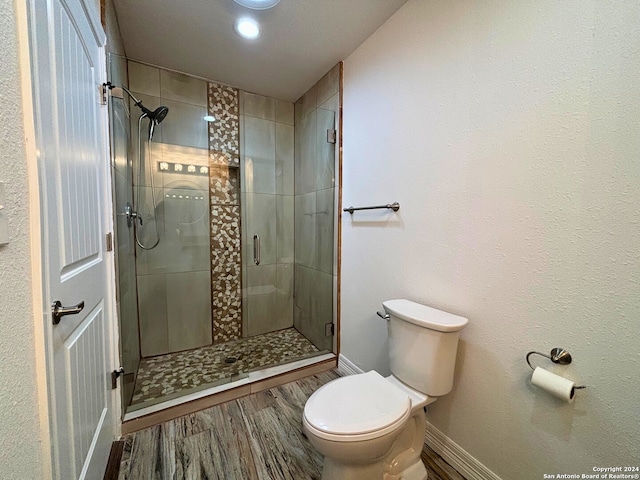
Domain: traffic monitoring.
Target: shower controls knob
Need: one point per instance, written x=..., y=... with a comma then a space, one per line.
x=136, y=216
x=131, y=215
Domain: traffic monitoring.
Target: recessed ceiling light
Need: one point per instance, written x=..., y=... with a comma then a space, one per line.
x=209, y=118
x=258, y=4
x=247, y=28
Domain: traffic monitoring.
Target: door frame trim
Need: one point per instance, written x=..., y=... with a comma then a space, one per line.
x=35, y=231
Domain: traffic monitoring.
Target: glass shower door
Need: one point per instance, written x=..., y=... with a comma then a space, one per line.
x=315, y=193
x=287, y=186
x=124, y=242
x=267, y=217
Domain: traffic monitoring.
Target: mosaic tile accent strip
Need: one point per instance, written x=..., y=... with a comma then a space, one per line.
x=224, y=187
x=226, y=273
x=227, y=305
x=224, y=133
x=184, y=372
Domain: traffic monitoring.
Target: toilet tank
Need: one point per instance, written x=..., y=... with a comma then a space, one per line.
x=423, y=343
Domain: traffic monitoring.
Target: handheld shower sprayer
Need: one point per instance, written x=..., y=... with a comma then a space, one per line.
x=154, y=117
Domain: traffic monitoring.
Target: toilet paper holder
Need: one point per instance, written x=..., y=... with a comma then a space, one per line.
x=557, y=355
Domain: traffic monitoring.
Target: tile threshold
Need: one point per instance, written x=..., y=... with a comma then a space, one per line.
x=251, y=378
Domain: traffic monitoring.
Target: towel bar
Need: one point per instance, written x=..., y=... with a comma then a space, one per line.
x=395, y=206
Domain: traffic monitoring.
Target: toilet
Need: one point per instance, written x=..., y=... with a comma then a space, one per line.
x=369, y=427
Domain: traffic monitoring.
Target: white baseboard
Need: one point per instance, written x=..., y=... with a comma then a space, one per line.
x=456, y=456
x=347, y=367
x=453, y=453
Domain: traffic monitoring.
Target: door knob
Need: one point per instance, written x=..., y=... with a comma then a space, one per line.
x=58, y=311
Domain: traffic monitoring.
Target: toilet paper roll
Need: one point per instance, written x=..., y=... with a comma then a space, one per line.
x=558, y=386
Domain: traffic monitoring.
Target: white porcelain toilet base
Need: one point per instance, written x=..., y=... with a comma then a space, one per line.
x=357, y=460
x=417, y=471
x=404, y=462
x=394, y=456
x=333, y=470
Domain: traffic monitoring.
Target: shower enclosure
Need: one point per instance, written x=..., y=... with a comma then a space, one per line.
x=225, y=231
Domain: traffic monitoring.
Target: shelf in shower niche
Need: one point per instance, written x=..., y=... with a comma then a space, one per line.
x=217, y=166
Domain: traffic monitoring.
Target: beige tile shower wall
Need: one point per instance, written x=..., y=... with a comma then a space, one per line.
x=315, y=213
x=267, y=146
x=224, y=188
x=174, y=292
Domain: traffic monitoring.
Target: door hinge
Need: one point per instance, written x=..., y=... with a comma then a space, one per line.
x=109, y=241
x=114, y=377
x=329, y=329
x=103, y=93
x=331, y=136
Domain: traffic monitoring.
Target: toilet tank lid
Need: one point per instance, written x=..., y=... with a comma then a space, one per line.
x=424, y=316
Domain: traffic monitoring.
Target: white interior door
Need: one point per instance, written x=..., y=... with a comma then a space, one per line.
x=68, y=66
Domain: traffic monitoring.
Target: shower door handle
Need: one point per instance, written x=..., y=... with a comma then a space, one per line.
x=256, y=249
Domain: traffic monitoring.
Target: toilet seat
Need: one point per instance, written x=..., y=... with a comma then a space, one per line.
x=357, y=407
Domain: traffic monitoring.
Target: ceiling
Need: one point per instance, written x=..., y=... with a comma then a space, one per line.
x=301, y=39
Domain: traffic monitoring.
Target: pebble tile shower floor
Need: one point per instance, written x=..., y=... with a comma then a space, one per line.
x=168, y=376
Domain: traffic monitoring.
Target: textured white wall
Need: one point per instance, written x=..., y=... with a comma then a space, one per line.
x=510, y=134
x=20, y=451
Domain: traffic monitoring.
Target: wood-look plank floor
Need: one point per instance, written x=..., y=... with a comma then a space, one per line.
x=255, y=437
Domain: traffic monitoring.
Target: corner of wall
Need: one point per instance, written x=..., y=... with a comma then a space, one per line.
x=347, y=367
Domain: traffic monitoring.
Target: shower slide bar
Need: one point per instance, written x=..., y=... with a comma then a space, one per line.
x=395, y=206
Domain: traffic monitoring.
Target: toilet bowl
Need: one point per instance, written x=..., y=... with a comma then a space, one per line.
x=365, y=426
x=369, y=427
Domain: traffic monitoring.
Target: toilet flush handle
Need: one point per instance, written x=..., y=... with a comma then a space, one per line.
x=383, y=315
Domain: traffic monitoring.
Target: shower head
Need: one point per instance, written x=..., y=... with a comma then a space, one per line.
x=155, y=117
x=158, y=114
x=155, y=120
